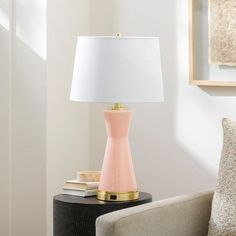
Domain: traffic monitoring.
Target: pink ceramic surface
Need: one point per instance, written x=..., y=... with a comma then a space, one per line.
x=117, y=170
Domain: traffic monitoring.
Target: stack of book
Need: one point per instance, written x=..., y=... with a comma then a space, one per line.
x=83, y=187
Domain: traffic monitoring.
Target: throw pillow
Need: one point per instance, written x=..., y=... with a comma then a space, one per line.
x=223, y=215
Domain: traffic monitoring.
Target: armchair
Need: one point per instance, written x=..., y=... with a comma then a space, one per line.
x=180, y=216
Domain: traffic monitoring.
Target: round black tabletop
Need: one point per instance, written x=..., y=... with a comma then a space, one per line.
x=76, y=216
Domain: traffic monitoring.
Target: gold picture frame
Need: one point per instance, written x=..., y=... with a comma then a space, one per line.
x=193, y=79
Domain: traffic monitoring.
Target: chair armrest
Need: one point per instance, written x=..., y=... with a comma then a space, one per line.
x=183, y=215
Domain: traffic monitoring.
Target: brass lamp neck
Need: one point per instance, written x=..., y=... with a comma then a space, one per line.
x=118, y=106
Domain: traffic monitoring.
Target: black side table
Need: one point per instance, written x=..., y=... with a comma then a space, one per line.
x=76, y=216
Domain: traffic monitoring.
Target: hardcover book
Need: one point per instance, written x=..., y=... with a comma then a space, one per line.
x=80, y=193
x=81, y=185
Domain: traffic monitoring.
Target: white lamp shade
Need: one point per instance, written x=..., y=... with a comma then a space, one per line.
x=117, y=69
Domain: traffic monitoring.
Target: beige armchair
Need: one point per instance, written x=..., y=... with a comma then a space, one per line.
x=179, y=216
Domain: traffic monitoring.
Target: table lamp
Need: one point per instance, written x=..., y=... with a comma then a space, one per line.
x=117, y=70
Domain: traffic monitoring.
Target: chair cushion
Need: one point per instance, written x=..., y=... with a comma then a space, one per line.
x=223, y=214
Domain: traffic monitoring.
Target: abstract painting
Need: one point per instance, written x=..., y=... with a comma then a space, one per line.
x=222, y=32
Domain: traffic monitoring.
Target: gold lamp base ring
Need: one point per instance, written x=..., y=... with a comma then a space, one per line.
x=117, y=196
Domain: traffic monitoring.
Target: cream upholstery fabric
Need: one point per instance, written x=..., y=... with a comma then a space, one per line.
x=223, y=218
x=180, y=216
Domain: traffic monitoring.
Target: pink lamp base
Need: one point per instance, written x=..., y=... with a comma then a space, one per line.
x=117, y=181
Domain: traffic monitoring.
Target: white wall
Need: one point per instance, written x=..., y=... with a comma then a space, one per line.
x=23, y=118
x=4, y=117
x=176, y=145
x=23, y=123
x=28, y=118
x=44, y=137
x=67, y=122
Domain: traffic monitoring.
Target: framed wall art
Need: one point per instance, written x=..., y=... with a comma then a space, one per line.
x=212, y=42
